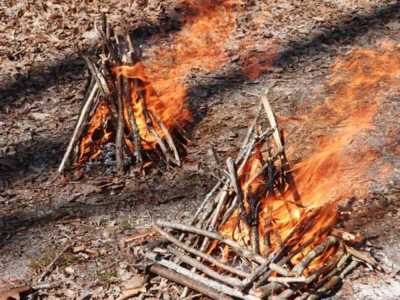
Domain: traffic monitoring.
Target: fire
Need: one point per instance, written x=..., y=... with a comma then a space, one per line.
x=170, y=113
x=336, y=167
x=199, y=45
x=98, y=133
x=160, y=78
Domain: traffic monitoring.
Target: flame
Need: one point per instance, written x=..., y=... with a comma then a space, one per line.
x=336, y=166
x=171, y=112
x=198, y=45
x=98, y=133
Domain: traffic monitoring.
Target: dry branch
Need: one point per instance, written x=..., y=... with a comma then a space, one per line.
x=198, y=253
x=189, y=282
x=92, y=95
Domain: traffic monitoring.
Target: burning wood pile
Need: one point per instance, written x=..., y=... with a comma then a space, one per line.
x=122, y=116
x=254, y=237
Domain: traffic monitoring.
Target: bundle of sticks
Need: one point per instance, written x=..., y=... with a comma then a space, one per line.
x=202, y=257
x=118, y=102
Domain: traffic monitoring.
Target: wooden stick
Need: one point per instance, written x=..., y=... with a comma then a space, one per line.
x=206, y=270
x=213, y=235
x=256, y=274
x=120, y=129
x=250, y=131
x=128, y=58
x=285, y=280
x=168, y=138
x=205, y=201
x=187, y=281
x=264, y=291
x=235, y=184
x=304, y=296
x=50, y=267
x=92, y=95
x=206, y=241
x=330, y=284
x=205, y=281
x=132, y=121
x=299, y=268
x=199, y=253
x=272, y=121
x=160, y=143
x=230, y=210
x=363, y=256
x=354, y=264
x=286, y=294
x=98, y=76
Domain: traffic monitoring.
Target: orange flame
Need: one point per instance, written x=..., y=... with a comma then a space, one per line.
x=98, y=133
x=171, y=112
x=198, y=45
x=337, y=166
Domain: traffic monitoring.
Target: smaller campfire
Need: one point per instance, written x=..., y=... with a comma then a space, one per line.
x=254, y=236
x=122, y=119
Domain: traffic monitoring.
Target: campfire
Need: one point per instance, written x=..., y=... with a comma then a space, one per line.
x=253, y=237
x=123, y=119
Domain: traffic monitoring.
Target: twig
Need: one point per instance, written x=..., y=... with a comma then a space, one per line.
x=250, y=131
x=50, y=267
x=200, y=279
x=46, y=285
x=168, y=138
x=79, y=125
x=272, y=121
x=354, y=264
x=205, y=201
x=299, y=268
x=98, y=76
x=194, y=284
x=286, y=294
x=363, y=256
x=206, y=270
x=235, y=184
x=213, y=235
x=214, y=219
x=132, y=121
x=199, y=253
x=266, y=290
x=329, y=285
x=120, y=129
x=301, y=279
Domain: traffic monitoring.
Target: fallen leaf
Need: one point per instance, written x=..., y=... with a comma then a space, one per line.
x=133, y=283
x=132, y=287
x=132, y=292
x=13, y=293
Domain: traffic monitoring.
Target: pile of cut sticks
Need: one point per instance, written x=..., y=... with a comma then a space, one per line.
x=115, y=91
x=195, y=257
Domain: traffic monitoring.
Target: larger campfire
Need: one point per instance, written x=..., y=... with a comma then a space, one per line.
x=253, y=237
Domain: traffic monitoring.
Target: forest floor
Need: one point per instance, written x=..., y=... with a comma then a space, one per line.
x=42, y=83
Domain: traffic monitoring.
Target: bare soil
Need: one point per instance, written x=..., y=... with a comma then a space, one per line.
x=42, y=83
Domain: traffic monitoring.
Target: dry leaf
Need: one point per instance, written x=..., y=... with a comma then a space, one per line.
x=13, y=293
x=132, y=287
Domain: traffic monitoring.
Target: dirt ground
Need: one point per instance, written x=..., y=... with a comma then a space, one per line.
x=42, y=83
